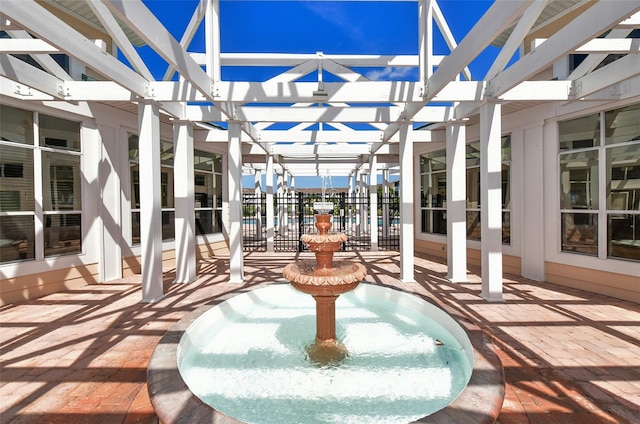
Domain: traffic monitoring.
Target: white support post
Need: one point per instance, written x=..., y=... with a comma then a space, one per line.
x=270, y=212
x=364, y=219
x=38, y=191
x=285, y=207
x=385, y=205
x=456, y=203
x=406, y=204
x=491, y=200
x=184, y=192
x=358, y=213
x=373, y=201
x=533, y=205
x=352, y=190
x=101, y=145
x=258, y=195
x=425, y=16
x=212, y=39
x=150, y=202
x=236, y=259
x=292, y=192
x=280, y=192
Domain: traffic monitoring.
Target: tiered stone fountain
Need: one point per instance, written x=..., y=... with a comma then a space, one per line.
x=325, y=281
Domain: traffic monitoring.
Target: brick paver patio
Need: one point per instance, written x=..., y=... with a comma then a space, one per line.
x=81, y=356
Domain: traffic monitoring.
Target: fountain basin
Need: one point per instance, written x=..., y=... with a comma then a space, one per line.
x=480, y=401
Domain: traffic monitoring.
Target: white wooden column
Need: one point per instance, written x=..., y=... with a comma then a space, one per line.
x=352, y=191
x=491, y=200
x=102, y=236
x=184, y=192
x=373, y=201
x=456, y=203
x=257, y=190
x=150, y=202
x=406, y=204
x=294, y=199
x=385, y=205
x=269, y=200
x=212, y=39
x=280, y=193
x=364, y=223
x=425, y=40
x=532, y=158
x=236, y=259
x=285, y=207
x=358, y=191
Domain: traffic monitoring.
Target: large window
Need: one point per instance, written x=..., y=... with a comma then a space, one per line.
x=600, y=156
x=208, y=191
x=57, y=178
x=434, y=191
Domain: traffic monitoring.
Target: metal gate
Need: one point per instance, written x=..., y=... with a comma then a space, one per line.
x=294, y=216
x=254, y=209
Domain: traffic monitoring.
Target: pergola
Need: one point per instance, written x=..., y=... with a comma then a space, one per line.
x=347, y=126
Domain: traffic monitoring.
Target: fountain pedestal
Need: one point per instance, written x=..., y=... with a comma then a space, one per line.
x=325, y=281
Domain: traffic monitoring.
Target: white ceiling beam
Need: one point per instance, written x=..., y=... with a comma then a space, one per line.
x=119, y=37
x=298, y=93
x=275, y=136
x=330, y=150
x=18, y=90
x=443, y=26
x=611, y=76
x=381, y=114
x=26, y=46
x=30, y=15
x=592, y=22
x=29, y=76
x=285, y=59
x=499, y=16
x=326, y=150
x=518, y=34
x=315, y=136
x=290, y=75
x=212, y=39
x=139, y=18
x=189, y=33
x=150, y=29
x=43, y=59
x=593, y=60
x=611, y=46
x=632, y=22
x=539, y=91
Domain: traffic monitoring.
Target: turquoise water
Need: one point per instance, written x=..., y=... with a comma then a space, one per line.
x=246, y=357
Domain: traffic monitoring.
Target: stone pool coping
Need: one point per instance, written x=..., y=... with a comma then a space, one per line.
x=480, y=402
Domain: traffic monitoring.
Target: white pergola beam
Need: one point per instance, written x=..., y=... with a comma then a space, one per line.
x=518, y=34
x=56, y=32
x=611, y=75
x=591, y=23
x=120, y=38
x=29, y=76
x=611, y=46
x=283, y=59
x=26, y=46
x=443, y=26
x=189, y=33
x=499, y=16
x=593, y=60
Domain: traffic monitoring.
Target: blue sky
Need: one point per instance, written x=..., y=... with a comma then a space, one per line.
x=332, y=27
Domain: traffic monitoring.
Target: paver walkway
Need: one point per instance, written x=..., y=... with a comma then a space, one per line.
x=80, y=356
